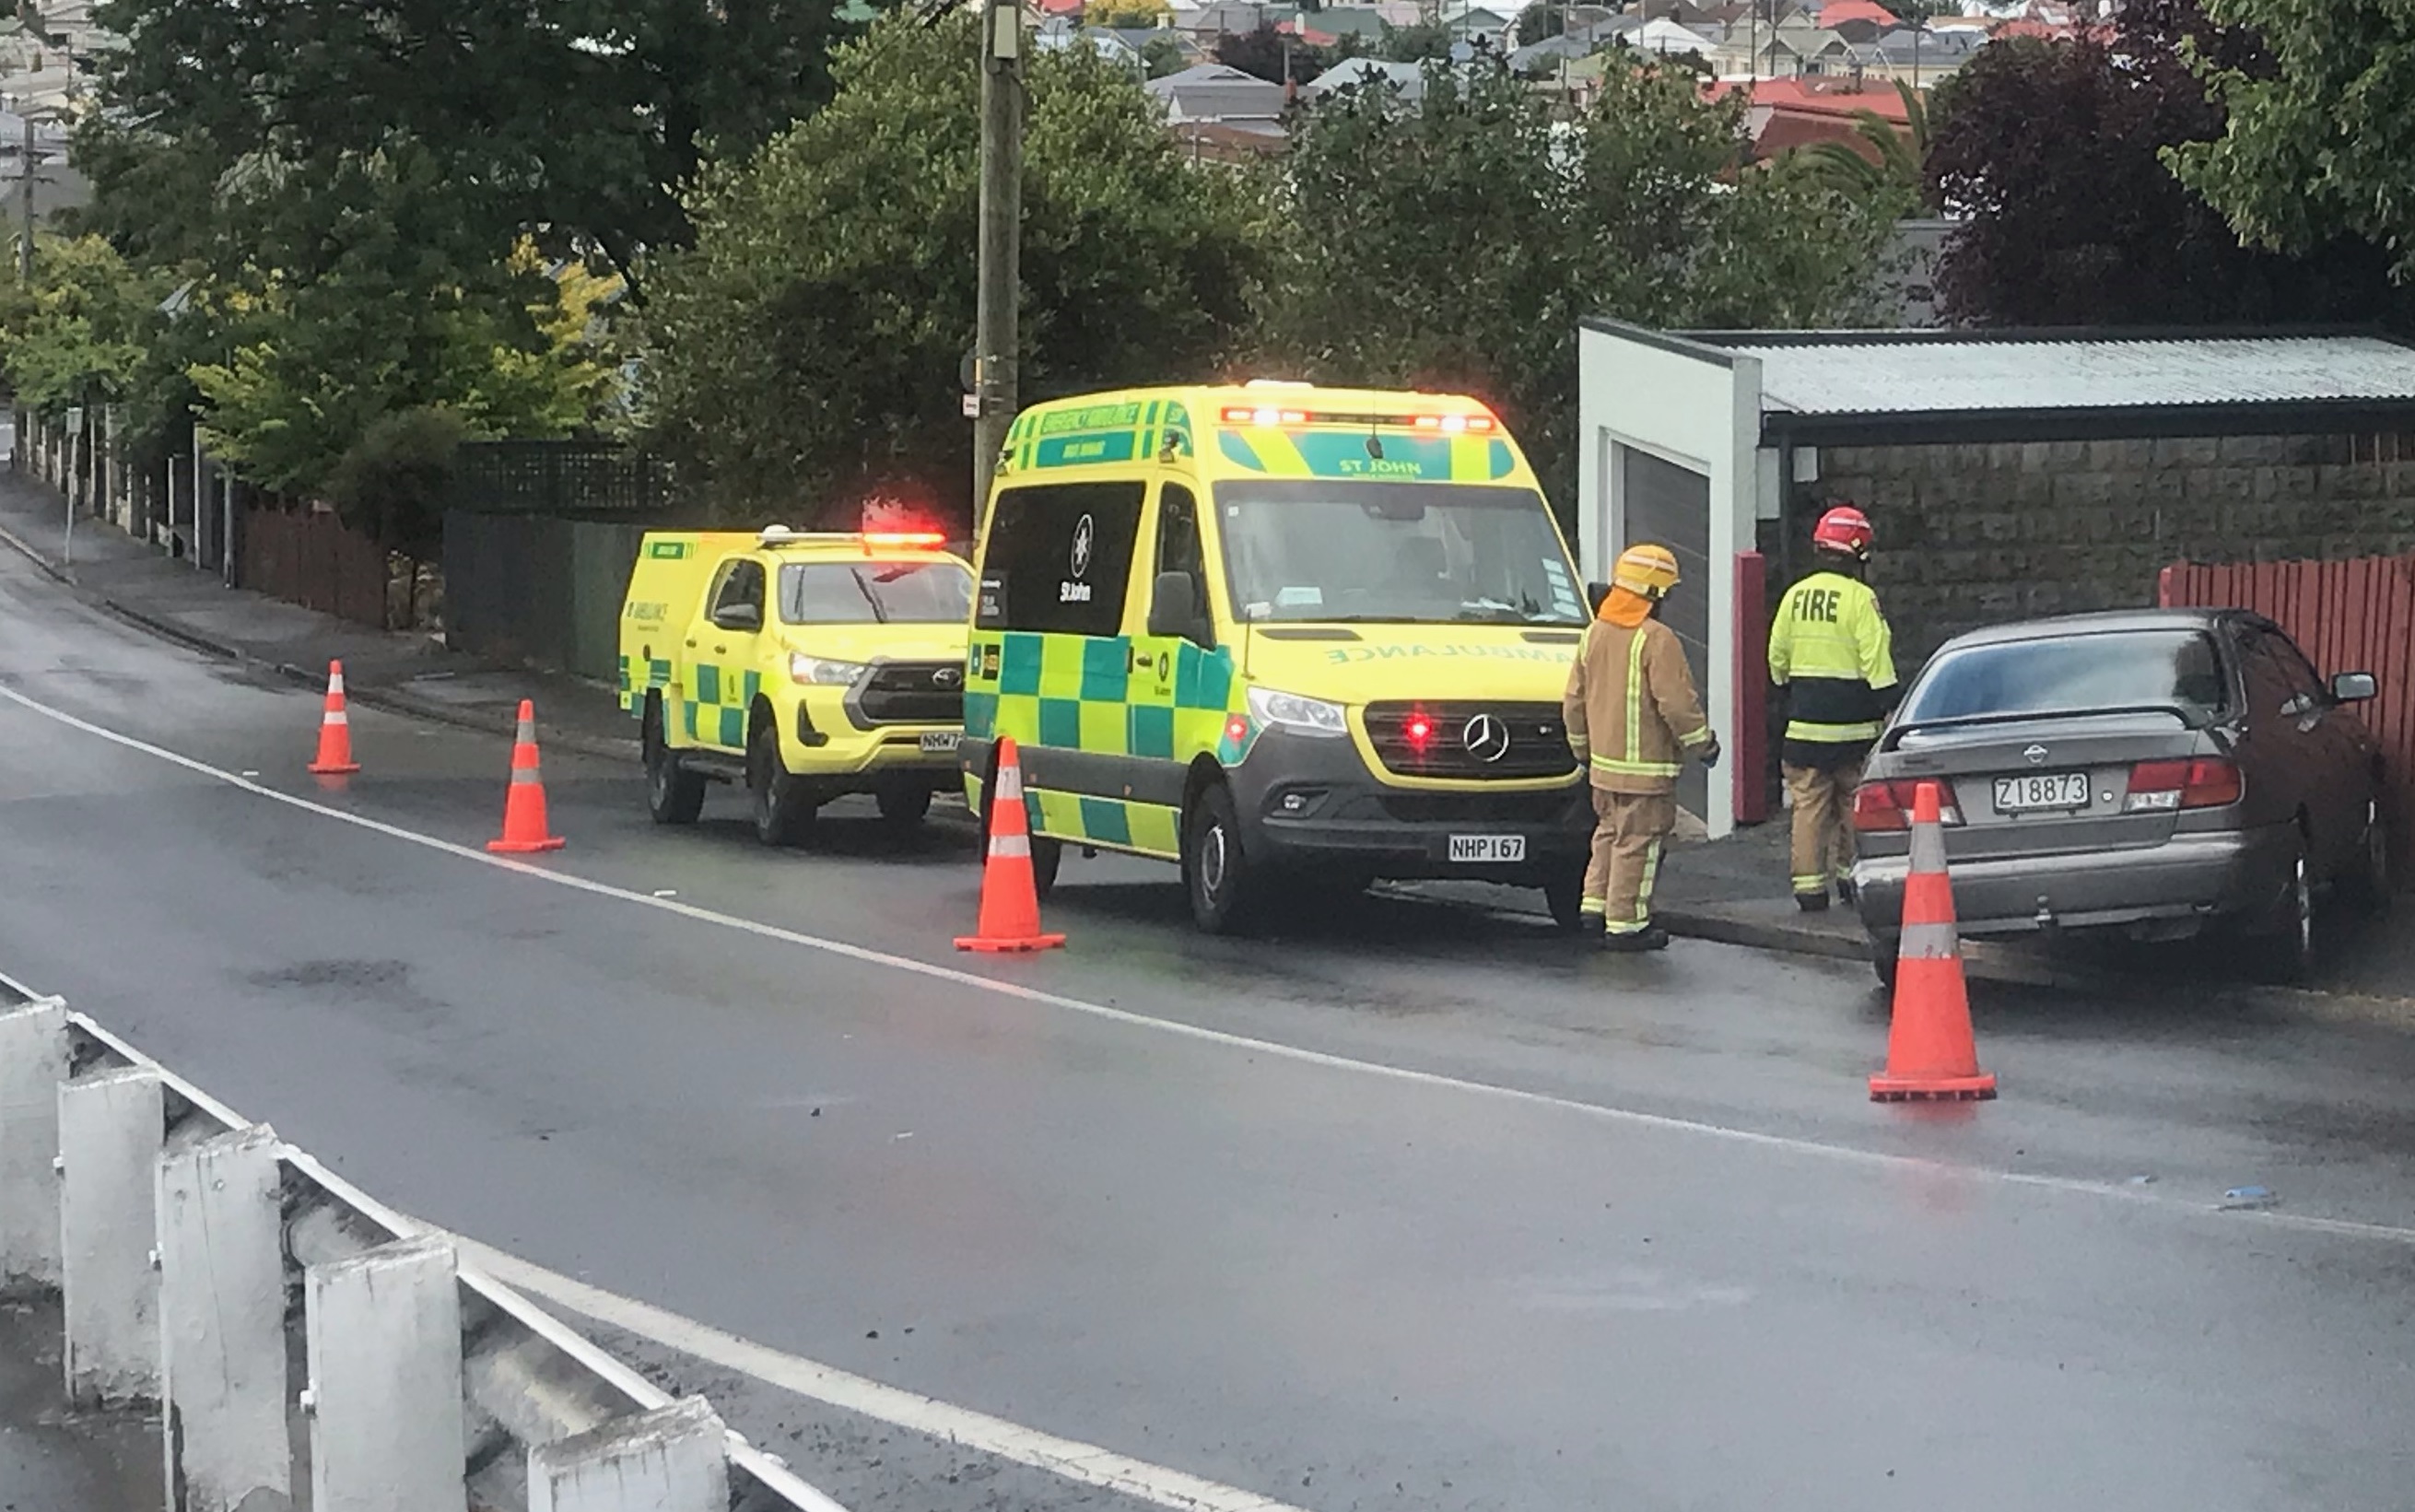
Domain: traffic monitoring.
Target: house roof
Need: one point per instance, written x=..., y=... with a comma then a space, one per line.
x=1664, y=36
x=1214, y=92
x=1900, y=384
x=1337, y=21
x=1841, y=97
x=1838, y=12
x=1409, y=78
x=1906, y=43
x=1549, y=51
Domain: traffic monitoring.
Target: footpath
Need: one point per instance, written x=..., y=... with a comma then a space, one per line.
x=1732, y=891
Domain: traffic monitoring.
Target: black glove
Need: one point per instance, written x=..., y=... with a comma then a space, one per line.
x=1711, y=753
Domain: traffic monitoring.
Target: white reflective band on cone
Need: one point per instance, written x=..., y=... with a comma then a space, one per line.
x=1009, y=784
x=1927, y=848
x=337, y=716
x=1010, y=845
x=1928, y=942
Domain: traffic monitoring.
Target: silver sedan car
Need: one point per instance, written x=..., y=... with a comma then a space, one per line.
x=2161, y=774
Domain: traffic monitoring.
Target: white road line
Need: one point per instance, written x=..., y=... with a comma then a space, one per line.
x=1598, y=1112
x=1085, y=1462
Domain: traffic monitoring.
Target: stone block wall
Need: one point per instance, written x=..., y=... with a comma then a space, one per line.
x=1975, y=534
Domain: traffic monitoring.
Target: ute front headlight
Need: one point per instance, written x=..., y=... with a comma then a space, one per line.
x=1295, y=713
x=824, y=672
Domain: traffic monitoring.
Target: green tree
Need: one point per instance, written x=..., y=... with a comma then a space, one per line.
x=809, y=344
x=1163, y=55
x=2321, y=137
x=577, y=121
x=1458, y=242
x=1893, y=165
x=79, y=335
x=1422, y=43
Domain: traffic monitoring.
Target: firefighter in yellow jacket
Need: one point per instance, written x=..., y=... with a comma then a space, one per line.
x=1633, y=717
x=1831, y=653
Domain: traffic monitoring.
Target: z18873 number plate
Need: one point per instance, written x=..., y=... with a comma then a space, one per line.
x=1488, y=847
x=2044, y=790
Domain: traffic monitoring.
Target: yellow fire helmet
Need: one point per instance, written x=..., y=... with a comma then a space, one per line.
x=1648, y=570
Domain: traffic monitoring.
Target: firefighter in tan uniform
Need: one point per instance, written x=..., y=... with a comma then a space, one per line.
x=1633, y=717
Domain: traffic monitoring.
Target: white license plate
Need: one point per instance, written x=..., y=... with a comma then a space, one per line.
x=941, y=742
x=1488, y=847
x=2044, y=790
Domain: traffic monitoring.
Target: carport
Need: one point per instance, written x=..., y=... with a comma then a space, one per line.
x=2010, y=473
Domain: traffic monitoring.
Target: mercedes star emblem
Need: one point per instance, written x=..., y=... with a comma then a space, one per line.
x=1082, y=532
x=947, y=677
x=2036, y=756
x=1487, y=739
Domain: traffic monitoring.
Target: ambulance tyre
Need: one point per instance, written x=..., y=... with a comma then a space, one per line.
x=673, y=794
x=1564, y=891
x=903, y=804
x=783, y=808
x=1046, y=856
x=1224, y=889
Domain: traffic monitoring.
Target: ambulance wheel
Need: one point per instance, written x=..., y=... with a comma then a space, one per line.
x=902, y=804
x=1046, y=856
x=784, y=809
x=1224, y=889
x=1564, y=891
x=673, y=795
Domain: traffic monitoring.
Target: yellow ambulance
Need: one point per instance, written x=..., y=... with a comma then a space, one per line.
x=1275, y=632
x=802, y=667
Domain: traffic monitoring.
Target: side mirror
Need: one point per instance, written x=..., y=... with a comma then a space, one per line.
x=2354, y=687
x=1175, y=608
x=1594, y=594
x=738, y=617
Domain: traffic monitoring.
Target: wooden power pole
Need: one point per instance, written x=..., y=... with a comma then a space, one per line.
x=997, y=340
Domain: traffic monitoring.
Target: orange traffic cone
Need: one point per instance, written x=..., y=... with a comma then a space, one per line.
x=1930, y=1053
x=1010, y=907
x=334, y=730
x=524, y=824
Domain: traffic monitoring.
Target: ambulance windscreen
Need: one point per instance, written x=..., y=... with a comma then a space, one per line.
x=875, y=593
x=1404, y=553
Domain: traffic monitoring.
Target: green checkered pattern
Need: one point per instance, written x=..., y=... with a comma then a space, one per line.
x=639, y=677
x=712, y=711
x=1152, y=699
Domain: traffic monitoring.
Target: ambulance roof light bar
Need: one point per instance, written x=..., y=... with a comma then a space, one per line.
x=1449, y=425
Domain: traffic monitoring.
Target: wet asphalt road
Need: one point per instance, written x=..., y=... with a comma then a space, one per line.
x=1683, y=1276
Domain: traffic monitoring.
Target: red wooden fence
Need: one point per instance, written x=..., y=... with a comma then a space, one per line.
x=310, y=557
x=2349, y=617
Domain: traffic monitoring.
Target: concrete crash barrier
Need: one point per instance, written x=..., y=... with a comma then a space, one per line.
x=200, y=1258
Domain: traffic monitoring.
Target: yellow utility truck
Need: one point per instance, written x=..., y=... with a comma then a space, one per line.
x=804, y=666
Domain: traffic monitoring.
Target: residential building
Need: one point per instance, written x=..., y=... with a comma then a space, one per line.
x=1409, y=78
x=1213, y=94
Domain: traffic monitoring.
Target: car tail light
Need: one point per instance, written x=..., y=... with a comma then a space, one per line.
x=1888, y=805
x=2166, y=787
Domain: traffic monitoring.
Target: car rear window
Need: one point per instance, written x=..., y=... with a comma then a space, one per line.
x=2071, y=674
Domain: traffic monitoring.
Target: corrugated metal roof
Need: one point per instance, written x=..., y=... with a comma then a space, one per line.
x=1847, y=376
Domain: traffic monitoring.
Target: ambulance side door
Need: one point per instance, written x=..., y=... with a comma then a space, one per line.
x=717, y=678
x=1173, y=630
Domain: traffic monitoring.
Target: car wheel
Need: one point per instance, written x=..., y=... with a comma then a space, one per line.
x=1046, y=857
x=2367, y=885
x=783, y=809
x=1216, y=871
x=1565, y=892
x=673, y=795
x=2286, y=956
x=902, y=805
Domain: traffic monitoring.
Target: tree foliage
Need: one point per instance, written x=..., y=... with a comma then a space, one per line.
x=2052, y=152
x=1426, y=42
x=80, y=333
x=1894, y=163
x=1266, y=52
x=577, y=121
x=2320, y=140
x=809, y=344
x=1458, y=242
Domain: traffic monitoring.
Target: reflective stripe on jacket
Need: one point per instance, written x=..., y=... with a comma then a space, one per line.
x=1830, y=649
x=1632, y=714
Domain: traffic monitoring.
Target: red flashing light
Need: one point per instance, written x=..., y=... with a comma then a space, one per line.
x=1237, y=728
x=1418, y=731
x=1448, y=424
x=903, y=538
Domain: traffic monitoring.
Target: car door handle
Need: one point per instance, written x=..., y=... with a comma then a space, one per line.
x=691, y=645
x=721, y=650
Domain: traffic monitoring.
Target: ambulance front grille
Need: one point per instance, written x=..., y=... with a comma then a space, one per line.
x=1461, y=735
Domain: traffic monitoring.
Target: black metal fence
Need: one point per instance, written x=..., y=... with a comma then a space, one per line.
x=562, y=477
